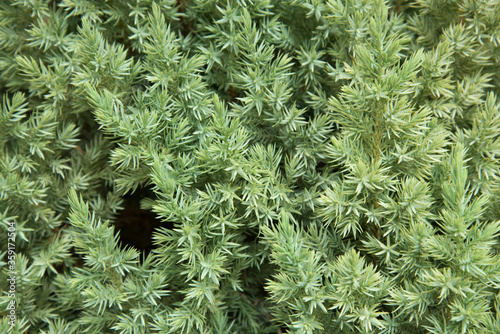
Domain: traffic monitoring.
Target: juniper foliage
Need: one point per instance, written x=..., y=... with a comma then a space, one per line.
x=319, y=166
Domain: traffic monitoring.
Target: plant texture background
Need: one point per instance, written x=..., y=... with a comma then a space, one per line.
x=251, y=166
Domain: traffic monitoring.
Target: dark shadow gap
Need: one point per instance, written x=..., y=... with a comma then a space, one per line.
x=135, y=226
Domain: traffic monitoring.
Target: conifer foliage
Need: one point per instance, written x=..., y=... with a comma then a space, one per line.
x=314, y=166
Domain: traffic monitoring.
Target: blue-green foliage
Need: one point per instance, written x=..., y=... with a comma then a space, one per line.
x=320, y=166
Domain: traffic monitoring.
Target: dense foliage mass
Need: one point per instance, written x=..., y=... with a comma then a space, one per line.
x=314, y=166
